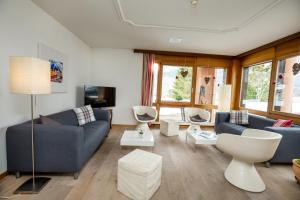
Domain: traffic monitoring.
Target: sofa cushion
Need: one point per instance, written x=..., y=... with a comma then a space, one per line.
x=197, y=118
x=84, y=114
x=67, y=117
x=48, y=121
x=231, y=128
x=283, y=123
x=93, y=133
x=239, y=117
x=258, y=122
x=145, y=117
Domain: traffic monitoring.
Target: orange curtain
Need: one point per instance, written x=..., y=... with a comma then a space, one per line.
x=147, y=81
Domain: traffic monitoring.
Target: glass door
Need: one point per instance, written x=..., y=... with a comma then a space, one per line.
x=208, y=82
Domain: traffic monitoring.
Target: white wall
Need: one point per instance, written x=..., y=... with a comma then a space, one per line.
x=120, y=68
x=22, y=26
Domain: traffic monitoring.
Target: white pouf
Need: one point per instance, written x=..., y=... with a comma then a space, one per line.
x=169, y=127
x=139, y=174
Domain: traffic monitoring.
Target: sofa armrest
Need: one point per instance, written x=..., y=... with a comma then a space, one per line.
x=220, y=118
x=57, y=148
x=101, y=114
x=288, y=148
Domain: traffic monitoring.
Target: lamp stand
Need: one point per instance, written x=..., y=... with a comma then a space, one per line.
x=35, y=184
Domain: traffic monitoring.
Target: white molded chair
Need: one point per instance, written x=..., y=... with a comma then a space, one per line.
x=150, y=115
x=203, y=114
x=251, y=147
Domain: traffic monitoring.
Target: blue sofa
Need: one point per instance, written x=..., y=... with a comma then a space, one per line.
x=289, y=147
x=58, y=148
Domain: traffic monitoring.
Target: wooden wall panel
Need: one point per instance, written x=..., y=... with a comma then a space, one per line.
x=236, y=74
x=258, y=57
x=217, y=62
x=288, y=49
x=175, y=60
x=202, y=61
x=213, y=62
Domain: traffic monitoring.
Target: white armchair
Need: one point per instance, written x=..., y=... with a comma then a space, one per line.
x=144, y=115
x=196, y=117
x=251, y=147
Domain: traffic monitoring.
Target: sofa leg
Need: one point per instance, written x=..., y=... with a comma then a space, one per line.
x=76, y=175
x=268, y=164
x=18, y=174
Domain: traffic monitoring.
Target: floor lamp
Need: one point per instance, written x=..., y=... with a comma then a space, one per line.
x=30, y=76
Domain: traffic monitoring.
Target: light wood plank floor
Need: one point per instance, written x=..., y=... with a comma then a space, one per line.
x=186, y=175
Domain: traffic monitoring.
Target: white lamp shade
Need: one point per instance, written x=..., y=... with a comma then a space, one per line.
x=29, y=75
x=225, y=98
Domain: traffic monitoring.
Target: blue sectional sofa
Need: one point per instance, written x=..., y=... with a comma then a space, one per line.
x=61, y=148
x=289, y=147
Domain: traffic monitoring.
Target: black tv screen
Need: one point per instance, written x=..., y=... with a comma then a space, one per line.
x=98, y=96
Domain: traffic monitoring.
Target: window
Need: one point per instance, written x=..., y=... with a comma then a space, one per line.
x=208, y=80
x=287, y=86
x=255, y=86
x=171, y=113
x=176, y=83
x=154, y=84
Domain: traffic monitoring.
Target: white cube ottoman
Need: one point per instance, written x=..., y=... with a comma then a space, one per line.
x=169, y=127
x=139, y=174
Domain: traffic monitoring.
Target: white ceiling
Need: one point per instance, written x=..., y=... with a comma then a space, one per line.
x=223, y=27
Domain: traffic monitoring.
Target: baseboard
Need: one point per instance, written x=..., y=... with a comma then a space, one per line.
x=3, y=175
x=123, y=125
x=157, y=125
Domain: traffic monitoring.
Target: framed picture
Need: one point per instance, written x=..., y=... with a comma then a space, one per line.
x=58, y=64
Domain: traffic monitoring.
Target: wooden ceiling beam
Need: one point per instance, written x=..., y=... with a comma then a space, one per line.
x=270, y=45
x=185, y=54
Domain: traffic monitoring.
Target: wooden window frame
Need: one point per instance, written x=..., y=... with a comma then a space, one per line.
x=161, y=62
x=257, y=112
x=274, y=78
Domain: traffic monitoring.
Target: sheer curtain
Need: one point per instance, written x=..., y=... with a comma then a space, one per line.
x=147, y=81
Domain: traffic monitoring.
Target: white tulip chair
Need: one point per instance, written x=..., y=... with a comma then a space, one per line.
x=203, y=114
x=253, y=146
x=142, y=110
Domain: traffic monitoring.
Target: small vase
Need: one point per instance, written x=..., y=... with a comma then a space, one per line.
x=141, y=133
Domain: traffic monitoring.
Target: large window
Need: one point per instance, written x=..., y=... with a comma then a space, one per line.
x=255, y=86
x=287, y=86
x=176, y=83
x=155, y=81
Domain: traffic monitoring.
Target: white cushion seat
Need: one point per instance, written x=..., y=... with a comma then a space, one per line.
x=139, y=174
x=197, y=117
x=144, y=115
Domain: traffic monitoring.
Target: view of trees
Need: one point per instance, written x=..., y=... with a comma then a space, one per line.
x=259, y=82
x=182, y=85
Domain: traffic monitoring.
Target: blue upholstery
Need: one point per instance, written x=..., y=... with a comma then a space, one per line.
x=227, y=127
x=59, y=148
x=288, y=148
x=258, y=122
x=94, y=132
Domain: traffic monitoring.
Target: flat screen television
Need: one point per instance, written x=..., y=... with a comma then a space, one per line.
x=98, y=96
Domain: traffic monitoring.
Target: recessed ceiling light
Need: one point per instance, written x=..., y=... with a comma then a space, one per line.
x=194, y=3
x=175, y=40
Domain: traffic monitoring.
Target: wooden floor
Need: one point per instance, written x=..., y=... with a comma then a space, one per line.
x=186, y=175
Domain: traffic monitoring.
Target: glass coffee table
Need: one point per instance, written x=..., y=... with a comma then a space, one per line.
x=198, y=139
